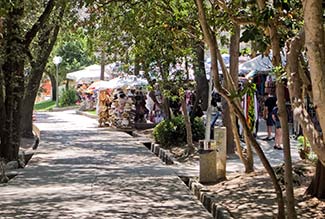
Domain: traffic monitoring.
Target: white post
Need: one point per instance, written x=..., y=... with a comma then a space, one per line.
x=57, y=86
x=57, y=60
x=208, y=112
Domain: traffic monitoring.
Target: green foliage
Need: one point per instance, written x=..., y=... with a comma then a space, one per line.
x=308, y=153
x=68, y=98
x=198, y=129
x=172, y=132
x=45, y=105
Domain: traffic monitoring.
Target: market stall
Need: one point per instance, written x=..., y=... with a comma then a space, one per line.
x=121, y=102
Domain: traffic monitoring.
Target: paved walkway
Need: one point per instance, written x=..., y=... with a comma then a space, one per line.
x=80, y=171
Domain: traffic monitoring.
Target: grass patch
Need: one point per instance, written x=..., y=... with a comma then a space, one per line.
x=45, y=105
x=92, y=112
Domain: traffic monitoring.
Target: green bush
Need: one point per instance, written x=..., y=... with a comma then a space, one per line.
x=198, y=129
x=68, y=98
x=173, y=132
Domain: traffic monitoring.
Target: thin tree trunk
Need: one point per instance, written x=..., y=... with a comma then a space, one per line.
x=234, y=59
x=2, y=107
x=102, y=65
x=280, y=90
x=189, y=137
x=53, y=83
x=246, y=160
x=215, y=54
x=202, y=87
x=136, y=65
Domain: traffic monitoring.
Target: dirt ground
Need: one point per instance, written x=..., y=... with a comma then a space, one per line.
x=252, y=195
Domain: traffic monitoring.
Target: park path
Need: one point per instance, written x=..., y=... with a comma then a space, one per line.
x=80, y=171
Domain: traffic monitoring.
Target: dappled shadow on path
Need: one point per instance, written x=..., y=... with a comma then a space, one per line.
x=245, y=199
x=96, y=174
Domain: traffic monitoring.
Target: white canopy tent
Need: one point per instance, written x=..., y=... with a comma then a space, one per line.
x=119, y=82
x=89, y=74
x=259, y=63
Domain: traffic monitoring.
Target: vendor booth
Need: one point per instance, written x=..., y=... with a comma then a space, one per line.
x=121, y=101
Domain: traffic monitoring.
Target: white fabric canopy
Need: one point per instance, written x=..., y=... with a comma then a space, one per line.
x=259, y=63
x=131, y=81
x=118, y=82
x=99, y=85
x=90, y=73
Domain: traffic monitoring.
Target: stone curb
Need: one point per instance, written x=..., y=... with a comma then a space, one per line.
x=55, y=109
x=207, y=198
x=86, y=114
x=163, y=154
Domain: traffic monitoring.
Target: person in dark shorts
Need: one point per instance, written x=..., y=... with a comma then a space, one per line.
x=278, y=130
x=269, y=104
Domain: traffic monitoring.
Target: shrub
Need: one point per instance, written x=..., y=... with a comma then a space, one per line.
x=165, y=133
x=68, y=98
x=198, y=129
x=172, y=132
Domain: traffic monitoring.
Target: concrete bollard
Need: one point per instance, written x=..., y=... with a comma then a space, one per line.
x=208, y=164
x=213, y=156
x=220, y=136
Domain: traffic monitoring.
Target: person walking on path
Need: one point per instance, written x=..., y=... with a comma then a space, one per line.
x=269, y=104
x=278, y=130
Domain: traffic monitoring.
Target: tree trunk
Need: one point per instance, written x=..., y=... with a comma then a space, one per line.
x=317, y=188
x=215, y=54
x=2, y=111
x=234, y=59
x=246, y=160
x=102, y=65
x=2, y=102
x=202, y=87
x=313, y=21
x=136, y=65
x=13, y=69
x=282, y=111
x=314, y=42
x=46, y=41
x=189, y=137
x=53, y=83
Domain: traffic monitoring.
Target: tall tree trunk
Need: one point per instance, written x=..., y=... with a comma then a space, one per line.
x=314, y=36
x=189, y=137
x=316, y=187
x=13, y=68
x=46, y=41
x=2, y=103
x=282, y=111
x=234, y=59
x=215, y=54
x=281, y=102
x=102, y=65
x=202, y=87
x=53, y=83
x=246, y=160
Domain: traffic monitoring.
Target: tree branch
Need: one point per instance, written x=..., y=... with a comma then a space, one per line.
x=29, y=36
